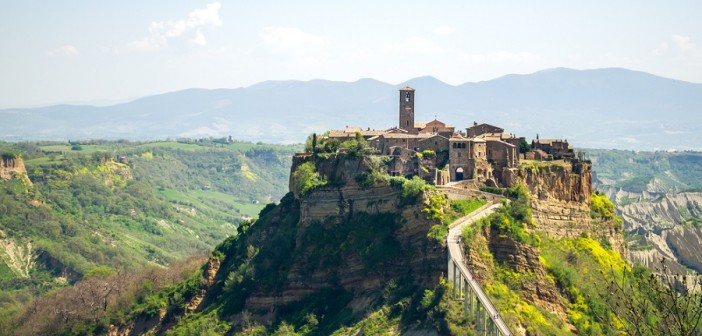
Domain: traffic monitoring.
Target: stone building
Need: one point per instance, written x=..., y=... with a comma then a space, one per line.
x=434, y=142
x=350, y=133
x=468, y=158
x=484, y=153
x=407, y=110
x=435, y=127
x=481, y=129
x=557, y=148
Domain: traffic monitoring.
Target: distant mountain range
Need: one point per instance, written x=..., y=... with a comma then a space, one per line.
x=602, y=108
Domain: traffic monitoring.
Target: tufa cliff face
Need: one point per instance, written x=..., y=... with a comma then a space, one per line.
x=560, y=181
x=488, y=250
x=560, y=199
x=341, y=239
x=12, y=167
x=524, y=259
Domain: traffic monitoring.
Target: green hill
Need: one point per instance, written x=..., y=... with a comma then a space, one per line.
x=96, y=206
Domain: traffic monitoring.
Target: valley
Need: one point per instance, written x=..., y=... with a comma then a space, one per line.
x=658, y=196
x=68, y=211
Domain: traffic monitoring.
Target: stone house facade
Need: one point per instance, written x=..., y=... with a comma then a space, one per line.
x=483, y=153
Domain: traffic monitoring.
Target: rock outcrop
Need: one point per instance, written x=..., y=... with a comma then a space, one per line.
x=342, y=237
x=665, y=228
x=560, y=199
x=13, y=167
x=524, y=260
x=17, y=255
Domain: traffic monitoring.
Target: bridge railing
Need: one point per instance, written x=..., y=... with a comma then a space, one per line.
x=466, y=288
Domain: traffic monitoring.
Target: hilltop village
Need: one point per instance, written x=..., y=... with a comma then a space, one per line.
x=483, y=153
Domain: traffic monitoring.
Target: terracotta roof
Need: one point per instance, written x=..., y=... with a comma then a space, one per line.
x=396, y=130
x=406, y=136
x=372, y=133
x=339, y=134
x=484, y=124
x=397, y=136
x=502, y=142
x=439, y=121
x=350, y=132
x=458, y=138
x=433, y=136
x=407, y=88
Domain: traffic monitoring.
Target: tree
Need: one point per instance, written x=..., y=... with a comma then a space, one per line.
x=524, y=146
x=307, y=178
x=654, y=303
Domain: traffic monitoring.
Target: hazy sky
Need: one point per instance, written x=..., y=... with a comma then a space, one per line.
x=88, y=51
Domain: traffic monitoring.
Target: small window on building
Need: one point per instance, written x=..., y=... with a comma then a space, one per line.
x=459, y=154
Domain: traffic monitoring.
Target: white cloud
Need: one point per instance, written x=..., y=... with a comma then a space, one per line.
x=190, y=29
x=443, y=30
x=199, y=38
x=286, y=38
x=684, y=43
x=680, y=46
x=67, y=51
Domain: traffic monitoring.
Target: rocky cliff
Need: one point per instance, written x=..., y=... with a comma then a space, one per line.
x=667, y=227
x=340, y=240
x=12, y=167
x=524, y=259
x=560, y=199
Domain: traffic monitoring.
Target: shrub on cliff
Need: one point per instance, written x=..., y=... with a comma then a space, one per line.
x=411, y=189
x=307, y=178
x=10, y=155
x=512, y=218
x=601, y=207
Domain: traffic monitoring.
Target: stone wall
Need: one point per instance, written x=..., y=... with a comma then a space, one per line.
x=501, y=154
x=436, y=143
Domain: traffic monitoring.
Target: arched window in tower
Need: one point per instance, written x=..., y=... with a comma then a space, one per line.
x=407, y=97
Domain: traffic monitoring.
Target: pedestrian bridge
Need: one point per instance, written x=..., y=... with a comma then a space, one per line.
x=465, y=287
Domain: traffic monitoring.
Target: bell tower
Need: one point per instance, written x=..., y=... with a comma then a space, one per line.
x=407, y=110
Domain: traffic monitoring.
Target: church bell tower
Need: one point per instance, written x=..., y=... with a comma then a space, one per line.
x=407, y=109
